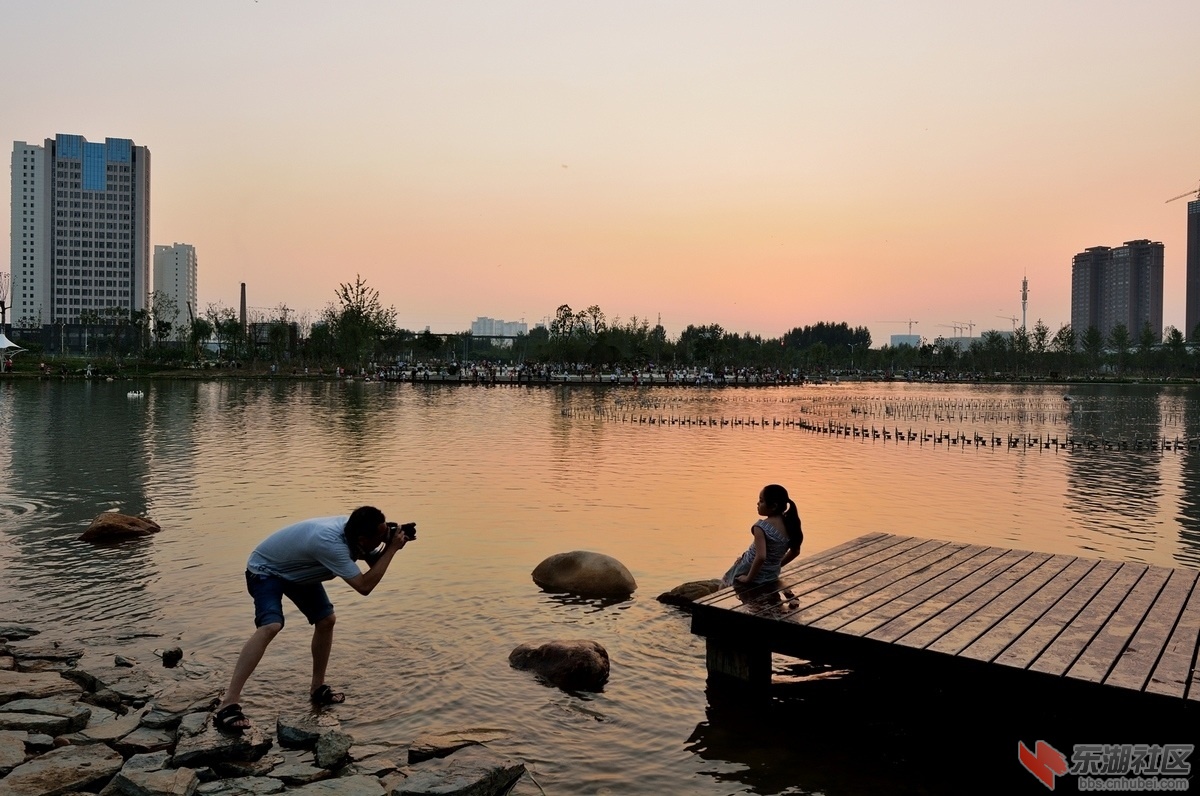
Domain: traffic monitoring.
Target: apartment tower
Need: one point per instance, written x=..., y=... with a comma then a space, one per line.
x=80, y=240
x=1192, y=311
x=1118, y=286
x=175, y=281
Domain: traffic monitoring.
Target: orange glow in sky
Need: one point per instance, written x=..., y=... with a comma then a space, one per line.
x=761, y=166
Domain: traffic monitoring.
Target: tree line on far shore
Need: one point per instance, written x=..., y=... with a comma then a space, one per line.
x=356, y=330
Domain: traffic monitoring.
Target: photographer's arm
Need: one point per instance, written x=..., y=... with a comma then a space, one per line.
x=365, y=582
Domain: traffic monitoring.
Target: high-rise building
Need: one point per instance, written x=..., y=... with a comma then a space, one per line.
x=489, y=327
x=1192, y=311
x=1117, y=286
x=80, y=239
x=175, y=280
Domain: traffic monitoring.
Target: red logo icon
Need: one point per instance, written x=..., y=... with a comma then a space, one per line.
x=1045, y=764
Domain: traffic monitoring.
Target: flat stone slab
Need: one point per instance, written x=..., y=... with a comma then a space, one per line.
x=23, y=685
x=144, y=740
x=300, y=773
x=78, y=715
x=34, y=722
x=241, y=786
x=112, y=730
x=473, y=771
x=127, y=683
x=168, y=782
x=233, y=769
x=213, y=746
x=187, y=696
x=45, y=650
x=12, y=751
x=357, y=785
x=439, y=744
x=13, y=632
x=380, y=764
x=68, y=768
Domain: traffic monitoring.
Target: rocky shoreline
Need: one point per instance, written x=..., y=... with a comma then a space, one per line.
x=75, y=723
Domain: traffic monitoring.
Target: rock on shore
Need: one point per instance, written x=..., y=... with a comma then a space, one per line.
x=158, y=740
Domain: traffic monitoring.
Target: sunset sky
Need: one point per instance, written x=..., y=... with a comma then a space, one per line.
x=759, y=165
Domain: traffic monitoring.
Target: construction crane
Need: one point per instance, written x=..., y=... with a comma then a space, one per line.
x=957, y=327
x=910, y=323
x=968, y=325
x=1012, y=318
x=1189, y=193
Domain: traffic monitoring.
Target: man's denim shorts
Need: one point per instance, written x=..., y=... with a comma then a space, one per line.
x=268, y=592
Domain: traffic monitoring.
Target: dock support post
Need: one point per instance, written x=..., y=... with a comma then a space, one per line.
x=744, y=664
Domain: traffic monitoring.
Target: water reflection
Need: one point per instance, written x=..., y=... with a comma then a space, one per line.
x=75, y=451
x=1114, y=479
x=501, y=478
x=1189, y=473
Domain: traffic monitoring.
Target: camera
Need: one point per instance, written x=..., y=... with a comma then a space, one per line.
x=409, y=529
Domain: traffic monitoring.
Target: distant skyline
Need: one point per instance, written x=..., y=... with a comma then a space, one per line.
x=762, y=166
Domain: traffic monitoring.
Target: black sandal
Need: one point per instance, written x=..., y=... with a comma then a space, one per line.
x=230, y=719
x=327, y=696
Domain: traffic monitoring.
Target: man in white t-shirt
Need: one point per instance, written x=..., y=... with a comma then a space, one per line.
x=294, y=562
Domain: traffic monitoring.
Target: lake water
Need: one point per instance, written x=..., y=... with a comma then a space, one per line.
x=663, y=479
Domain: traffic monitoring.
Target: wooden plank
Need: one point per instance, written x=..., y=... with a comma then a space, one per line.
x=926, y=592
x=831, y=597
x=1061, y=654
x=1137, y=661
x=944, y=621
x=1025, y=650
x=1174, y=668
x=1098, y=659
x=823, y=573
x=920, y=613
x=983, y=619
x=1004, y=632
x=729, y=598
x=866, y=603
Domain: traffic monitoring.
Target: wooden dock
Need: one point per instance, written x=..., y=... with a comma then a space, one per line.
x=882, y=598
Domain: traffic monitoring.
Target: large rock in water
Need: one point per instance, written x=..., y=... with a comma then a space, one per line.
x=585, y=574
x=111, y=526
x=571, y=665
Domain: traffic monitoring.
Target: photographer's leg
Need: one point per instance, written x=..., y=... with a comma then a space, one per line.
x=248, y=659
x=322, y=646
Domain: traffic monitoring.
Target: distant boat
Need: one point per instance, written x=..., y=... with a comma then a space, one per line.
x=134, y=394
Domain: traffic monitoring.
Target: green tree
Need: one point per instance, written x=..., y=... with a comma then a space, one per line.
x=359, y=322
x=164, y=315
x=1176, y=349
x=1063, y=344
x=1147, y=340
x=200, y=331
x=1093, y=347
x=1120, y=341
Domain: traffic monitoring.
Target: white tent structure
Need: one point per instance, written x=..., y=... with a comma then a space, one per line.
x=8, y=347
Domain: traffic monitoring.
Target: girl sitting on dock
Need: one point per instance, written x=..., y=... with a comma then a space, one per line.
x=776, y=543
